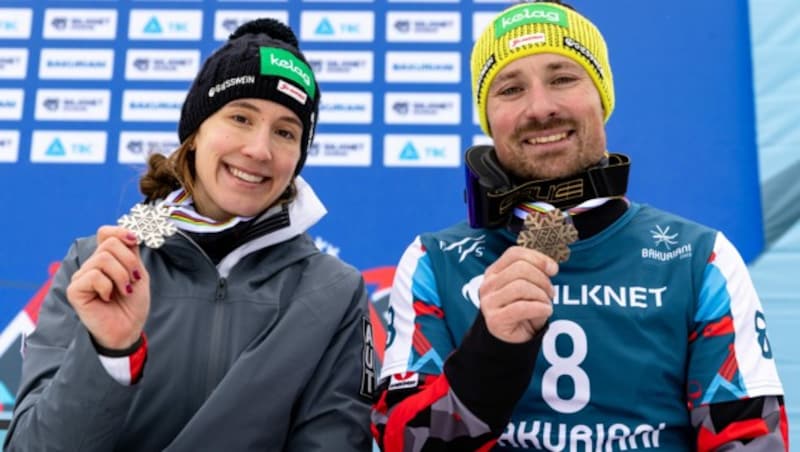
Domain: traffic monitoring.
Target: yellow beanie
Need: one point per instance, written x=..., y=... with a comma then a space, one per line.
x=532, y=28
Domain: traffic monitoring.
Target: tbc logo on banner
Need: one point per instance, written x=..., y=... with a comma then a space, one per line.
x=422, y=150
x=15, y=23
x=354, y=26
x=166, y=24
x=61, y=146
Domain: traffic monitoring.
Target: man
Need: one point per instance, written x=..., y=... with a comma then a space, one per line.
x=506, y=332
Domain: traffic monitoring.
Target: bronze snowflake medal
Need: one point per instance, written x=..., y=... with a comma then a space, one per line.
x=150, y=223
x=548, y=232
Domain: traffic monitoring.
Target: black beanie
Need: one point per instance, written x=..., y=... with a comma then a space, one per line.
x=261, y=60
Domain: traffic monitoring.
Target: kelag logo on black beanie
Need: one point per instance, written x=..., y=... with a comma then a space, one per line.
x=260, y=60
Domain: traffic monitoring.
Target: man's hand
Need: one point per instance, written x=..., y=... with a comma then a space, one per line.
x=111, y=290
x=516, y=294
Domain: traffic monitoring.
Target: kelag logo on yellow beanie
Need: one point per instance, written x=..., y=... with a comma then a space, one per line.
x=532, y=28
x=541, y=14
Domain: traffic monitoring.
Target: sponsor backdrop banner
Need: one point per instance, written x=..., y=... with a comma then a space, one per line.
x=88, y=89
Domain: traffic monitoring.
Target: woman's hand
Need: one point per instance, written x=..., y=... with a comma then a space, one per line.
x=111, y=290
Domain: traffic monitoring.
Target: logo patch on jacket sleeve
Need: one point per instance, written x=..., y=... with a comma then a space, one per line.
x=368, y=360
x=404, y=381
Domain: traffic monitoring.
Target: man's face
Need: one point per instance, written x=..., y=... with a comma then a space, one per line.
x=546, y=117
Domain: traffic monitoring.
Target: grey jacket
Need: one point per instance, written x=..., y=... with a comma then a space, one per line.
x=271, y=357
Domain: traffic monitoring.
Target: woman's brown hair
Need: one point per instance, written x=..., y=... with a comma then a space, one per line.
x=166, y=174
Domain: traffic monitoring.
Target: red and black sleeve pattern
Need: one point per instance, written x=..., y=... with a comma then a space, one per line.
x=125, y=366
x=467, y=407
x=757, y=424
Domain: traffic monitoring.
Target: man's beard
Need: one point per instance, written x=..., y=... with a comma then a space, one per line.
x=523, y=168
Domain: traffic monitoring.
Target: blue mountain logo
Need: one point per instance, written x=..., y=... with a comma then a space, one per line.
x=409, y=152
x=56, y=148
x=153, y=26
x=324, y=27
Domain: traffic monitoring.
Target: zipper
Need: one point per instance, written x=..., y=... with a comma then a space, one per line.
x=214, y=345
x=217, y=317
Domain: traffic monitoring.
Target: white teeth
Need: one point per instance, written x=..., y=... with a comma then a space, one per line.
x=549, y=138
x=247, y=177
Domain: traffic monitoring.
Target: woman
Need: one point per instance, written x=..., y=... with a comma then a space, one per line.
x=235, y=333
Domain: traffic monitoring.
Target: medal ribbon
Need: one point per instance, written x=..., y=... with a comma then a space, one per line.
x=184, y=216
x=524, y=209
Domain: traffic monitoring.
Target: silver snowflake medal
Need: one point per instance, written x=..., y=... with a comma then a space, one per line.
x=549, y=233
x=150, y=223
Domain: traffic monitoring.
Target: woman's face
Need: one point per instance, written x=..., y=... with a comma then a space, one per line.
x=246, y=154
